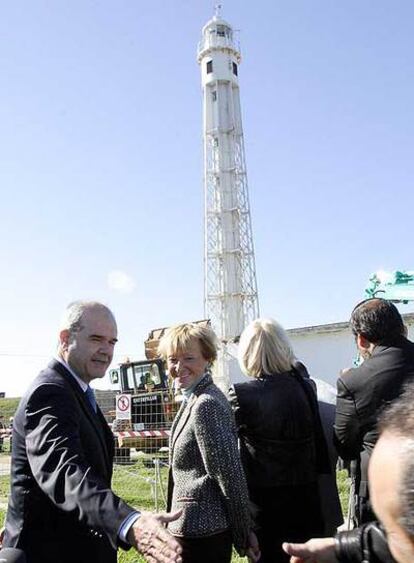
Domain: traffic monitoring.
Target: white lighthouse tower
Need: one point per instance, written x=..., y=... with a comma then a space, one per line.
x=230, y=288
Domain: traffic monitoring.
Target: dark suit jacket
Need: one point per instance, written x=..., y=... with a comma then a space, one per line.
x=363, y=392
x=61, y=508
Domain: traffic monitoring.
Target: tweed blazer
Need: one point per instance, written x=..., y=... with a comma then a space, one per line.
x=206, y=476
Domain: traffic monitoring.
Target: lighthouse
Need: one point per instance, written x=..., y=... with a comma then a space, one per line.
x=230, y=287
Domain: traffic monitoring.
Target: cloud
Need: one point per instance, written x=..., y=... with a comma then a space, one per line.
x=120, y=281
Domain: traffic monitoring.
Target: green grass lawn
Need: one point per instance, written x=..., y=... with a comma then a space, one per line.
x=4, y=487
x=136, y=485
x=343, y=483
x=8, y=408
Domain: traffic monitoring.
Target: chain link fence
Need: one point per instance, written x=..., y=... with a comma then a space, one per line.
x=7, y=410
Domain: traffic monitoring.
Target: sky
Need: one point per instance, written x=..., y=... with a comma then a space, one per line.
x=101, y=161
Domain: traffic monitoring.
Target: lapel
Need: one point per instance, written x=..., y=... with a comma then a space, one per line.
x=183, y=414
x=97, y=419
x=180, y=421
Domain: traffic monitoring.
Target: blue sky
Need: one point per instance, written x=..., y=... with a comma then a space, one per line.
x=101, y=160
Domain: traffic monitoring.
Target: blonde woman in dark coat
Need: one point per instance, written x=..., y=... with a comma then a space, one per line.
x=282, y=444
x=206, y=478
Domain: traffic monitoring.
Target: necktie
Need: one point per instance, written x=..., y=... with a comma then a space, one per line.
x=90, y=395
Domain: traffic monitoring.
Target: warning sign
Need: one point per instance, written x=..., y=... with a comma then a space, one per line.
x=123, y=407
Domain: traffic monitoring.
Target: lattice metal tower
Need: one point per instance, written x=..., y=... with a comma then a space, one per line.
x=230, y=288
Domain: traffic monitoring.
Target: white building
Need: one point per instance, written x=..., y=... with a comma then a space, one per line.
x=325, y=349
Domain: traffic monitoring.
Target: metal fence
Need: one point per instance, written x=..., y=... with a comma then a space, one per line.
x=145, y=434
x=7, y=410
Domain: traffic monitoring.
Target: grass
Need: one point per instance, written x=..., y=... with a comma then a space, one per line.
x=136, y=485
x=343, y=482
x=8, y=408
x=4, y=487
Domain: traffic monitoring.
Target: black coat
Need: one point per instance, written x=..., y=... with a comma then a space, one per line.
x=282, y=441
x=364, y=391
x=283, y=450
x=61, y=508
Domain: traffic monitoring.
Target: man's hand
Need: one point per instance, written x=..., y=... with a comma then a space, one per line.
x=320, y=550
x=253, y=551
x=149, y=536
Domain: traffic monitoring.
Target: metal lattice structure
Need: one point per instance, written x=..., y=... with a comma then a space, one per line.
x=230, y=287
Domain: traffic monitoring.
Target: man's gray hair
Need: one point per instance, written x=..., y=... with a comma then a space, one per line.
x=72, y=317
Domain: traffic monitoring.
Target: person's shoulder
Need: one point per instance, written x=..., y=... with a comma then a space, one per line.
x=244, y=384
x=246, y=390
x=212, y=394
x=388, y=357
x=49, y=381
x=356, y=379
x=212, y=399
x=238, y=388
x=352, y=377
x=248, y=386
x=409, y=346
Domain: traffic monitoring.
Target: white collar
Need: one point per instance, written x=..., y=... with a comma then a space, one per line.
x=80, y=381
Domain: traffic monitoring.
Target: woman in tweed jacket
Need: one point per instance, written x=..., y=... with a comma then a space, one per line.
x=206, y=477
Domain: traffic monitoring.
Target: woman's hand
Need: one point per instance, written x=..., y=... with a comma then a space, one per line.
x=253, y=551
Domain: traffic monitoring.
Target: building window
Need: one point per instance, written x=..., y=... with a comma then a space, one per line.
x=209, y=67
x=235, y=69
x=214, y=95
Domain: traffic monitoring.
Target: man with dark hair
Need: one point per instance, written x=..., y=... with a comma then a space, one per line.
x=391, y=475
x=377, y=320
x=363, y=391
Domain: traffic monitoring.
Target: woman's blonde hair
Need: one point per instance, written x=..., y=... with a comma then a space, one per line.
x=264, y=348
x=178, y=338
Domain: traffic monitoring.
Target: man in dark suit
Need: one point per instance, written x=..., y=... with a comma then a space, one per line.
x=391, y=474
x=362, y=392
x=61, y=508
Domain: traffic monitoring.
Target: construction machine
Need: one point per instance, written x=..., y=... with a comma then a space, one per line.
x=397, y=286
